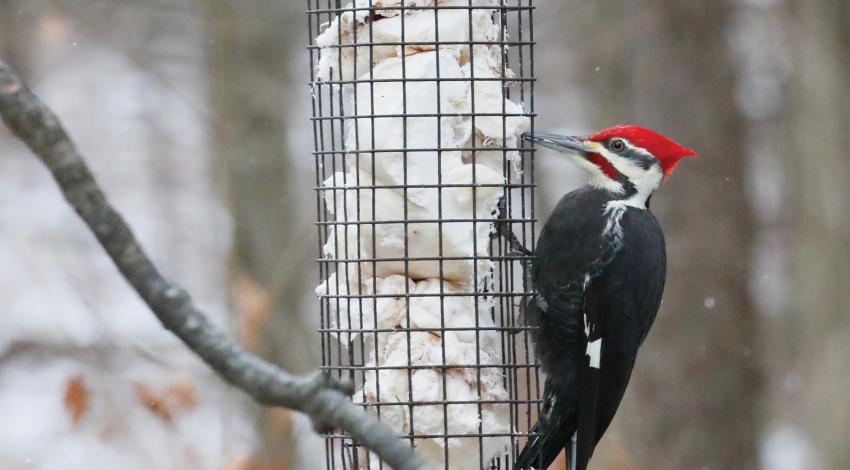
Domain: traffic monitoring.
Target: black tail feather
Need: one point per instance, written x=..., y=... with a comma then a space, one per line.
x=550, y=436
x=542, y=451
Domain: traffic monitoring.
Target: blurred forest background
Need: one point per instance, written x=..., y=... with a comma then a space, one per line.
x=194, y=115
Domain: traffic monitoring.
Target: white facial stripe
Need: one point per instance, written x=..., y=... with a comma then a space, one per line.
x=597, y=177
x=645, y=180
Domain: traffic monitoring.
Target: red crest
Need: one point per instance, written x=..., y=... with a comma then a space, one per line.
x=665, y=150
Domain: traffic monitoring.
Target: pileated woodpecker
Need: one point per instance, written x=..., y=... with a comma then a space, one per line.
x=599, y=274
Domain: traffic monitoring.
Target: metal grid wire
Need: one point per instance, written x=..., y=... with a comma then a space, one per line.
x=344, y=342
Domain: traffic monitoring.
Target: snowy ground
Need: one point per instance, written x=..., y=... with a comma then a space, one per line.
x=87, y=375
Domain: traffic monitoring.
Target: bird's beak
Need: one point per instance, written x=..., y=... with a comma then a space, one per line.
x=575, y=145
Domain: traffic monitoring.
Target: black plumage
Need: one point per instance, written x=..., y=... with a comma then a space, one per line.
x=599, y=274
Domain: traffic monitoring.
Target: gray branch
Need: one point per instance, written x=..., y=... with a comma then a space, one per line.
x=323, y=398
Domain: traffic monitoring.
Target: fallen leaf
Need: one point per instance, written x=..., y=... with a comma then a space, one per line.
x=153, y=402
x=182, y=394
x=76, y=398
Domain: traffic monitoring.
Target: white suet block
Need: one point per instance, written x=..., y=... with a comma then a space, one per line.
x=394, y=295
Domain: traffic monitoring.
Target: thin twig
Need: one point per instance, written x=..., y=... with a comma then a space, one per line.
x=323, y=398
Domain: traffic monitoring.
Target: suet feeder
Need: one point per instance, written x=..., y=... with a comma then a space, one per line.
x=418, y=111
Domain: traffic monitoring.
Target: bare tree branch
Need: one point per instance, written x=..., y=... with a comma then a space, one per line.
x=323, y=398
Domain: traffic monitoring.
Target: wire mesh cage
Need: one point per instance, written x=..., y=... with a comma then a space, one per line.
x=418, y=111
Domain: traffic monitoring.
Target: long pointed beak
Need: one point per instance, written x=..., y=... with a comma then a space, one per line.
x=571, y=144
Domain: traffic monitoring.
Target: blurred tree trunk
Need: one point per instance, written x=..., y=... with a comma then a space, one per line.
x=693, y=402
x=819, y=177
x=252, y=45
x=93, y=376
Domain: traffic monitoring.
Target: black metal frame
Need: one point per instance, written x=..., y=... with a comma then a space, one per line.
x=519, y=367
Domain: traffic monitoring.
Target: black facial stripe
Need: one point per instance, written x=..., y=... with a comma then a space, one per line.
x=639, y=156
x=629, y=188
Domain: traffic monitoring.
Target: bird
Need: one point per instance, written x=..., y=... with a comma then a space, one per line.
x=598, y=276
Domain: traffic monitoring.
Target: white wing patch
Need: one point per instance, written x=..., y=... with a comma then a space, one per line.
x=594, y=352
x=613, y=230
x=594, y=348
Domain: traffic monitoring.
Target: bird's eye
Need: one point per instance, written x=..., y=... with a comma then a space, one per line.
x=617, y=145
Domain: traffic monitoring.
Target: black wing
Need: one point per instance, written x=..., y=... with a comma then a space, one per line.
x=609, y=286
x=621, y=304
x=570, y=252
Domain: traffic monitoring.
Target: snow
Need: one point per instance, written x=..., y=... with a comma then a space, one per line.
x=788, y=448
x=68, y=315
x=397, y=295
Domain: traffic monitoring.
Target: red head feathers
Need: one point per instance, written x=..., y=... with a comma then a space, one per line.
x=665, y=150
